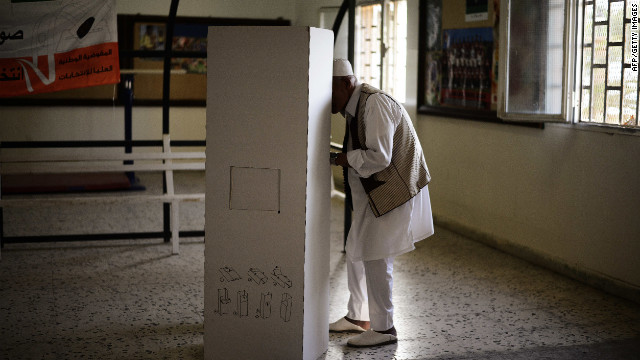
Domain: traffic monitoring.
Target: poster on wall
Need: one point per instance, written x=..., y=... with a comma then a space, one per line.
x=476, y=10
x=189, y=37
x=54, y=45
x=459, y=59
x=466, y=67
x=186, y=37
x=433, y=25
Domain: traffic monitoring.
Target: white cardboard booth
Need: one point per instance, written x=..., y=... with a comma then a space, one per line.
x=267, y=192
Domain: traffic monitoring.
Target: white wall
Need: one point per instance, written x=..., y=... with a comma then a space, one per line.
x=263, y=9
x=308, y=11
x=557, y=195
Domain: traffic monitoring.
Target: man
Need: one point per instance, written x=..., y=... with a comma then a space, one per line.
x=388, y=177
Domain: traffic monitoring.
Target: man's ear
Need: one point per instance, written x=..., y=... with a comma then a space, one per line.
x=347, y=84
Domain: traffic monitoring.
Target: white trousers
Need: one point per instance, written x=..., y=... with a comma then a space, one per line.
x=370, y=286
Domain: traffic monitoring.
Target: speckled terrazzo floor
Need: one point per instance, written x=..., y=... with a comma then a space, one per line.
x=455, y=299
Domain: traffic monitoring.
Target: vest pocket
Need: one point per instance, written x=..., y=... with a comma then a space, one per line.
x=369, y=184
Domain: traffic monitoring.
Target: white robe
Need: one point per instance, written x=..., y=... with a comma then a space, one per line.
x=395, y=232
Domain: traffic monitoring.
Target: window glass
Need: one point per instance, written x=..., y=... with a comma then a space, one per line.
x=534, y=64
x=608, y=83
x=381, y=45
x=368, y=43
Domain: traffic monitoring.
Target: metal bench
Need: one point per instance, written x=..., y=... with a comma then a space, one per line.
x=72, y=161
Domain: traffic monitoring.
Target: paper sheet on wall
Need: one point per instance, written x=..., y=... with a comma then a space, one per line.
x=56, y=45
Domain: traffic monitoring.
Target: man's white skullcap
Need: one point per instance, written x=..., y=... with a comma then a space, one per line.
x=342, y=67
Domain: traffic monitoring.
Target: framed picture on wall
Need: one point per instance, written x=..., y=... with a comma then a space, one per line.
x=458, y=58
x=188, y=73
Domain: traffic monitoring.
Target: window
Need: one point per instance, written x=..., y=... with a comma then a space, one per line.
x=381, y=45
x=536, y=68
x=607, y=84
x=327, y=18
x=581, y=65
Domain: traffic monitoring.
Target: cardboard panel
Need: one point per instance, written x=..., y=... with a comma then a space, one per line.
x=316, y=269
x=268, y=97
x=254, y=189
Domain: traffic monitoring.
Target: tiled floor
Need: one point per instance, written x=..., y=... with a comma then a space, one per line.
x=454, y=298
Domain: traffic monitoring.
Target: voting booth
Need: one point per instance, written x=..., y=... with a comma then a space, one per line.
x=267, y=192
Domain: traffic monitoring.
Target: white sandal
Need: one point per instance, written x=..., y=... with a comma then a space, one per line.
x=343, y=325
x=372, y=338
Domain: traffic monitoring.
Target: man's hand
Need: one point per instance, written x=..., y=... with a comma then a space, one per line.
x=341, y=160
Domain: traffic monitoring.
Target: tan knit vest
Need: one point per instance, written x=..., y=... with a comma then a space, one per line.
x=407, y=173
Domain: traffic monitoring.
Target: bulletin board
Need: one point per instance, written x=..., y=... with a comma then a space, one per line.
x=188, y=79
x=458, y=58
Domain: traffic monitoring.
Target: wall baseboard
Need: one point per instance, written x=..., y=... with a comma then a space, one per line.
x=592, y=278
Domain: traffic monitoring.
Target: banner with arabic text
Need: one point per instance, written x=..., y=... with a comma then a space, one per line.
x=56, y=45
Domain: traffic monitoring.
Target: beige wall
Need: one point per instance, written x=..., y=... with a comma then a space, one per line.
x=557, y=195
x=560, y=196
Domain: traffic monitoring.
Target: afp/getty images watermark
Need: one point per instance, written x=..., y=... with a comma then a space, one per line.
x=634, y=37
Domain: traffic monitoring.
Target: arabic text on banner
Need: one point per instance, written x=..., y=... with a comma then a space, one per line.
x=57, y=45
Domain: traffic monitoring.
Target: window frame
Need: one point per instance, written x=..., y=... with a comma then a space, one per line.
x=429, y=25
x=383, y=49
x=568, y=64
x=571, y=94
x=379, y=34
x=578, y=86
